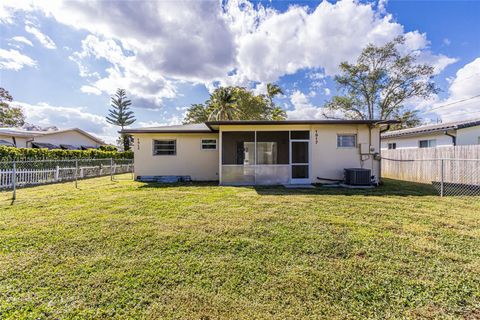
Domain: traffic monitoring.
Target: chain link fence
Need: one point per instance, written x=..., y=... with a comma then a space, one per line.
x=17, y=174
x=450, y=177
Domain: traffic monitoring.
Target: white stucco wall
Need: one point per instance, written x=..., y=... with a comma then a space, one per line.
x=190, y=159
x=442, y=140
x=328, y=161
x=67, y=137
x=21, y=142
x=468, y=136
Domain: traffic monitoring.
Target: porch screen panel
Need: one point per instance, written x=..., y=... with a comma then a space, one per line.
x=238, y=147
x=272, y=147
x=238, y=157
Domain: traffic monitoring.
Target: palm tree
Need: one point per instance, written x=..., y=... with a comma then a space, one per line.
x=272, y=91
x=277, y=114
x=223, y=105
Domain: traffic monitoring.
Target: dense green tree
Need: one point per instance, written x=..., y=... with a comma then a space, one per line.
x=379, y=83
x=223, y=104
x=10, y=116
x=234, y=103
x=121, y=115
x=276, y=112
x=197, y=113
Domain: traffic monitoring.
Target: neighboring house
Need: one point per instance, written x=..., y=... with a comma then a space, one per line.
x=258, y=152
x=465, y=132
x=59, y=139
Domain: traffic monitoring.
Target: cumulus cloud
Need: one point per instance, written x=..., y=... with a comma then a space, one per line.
x=42, y=38
x=284, y=43
x=303, y=108
x=188, y=40
x=150, y=45
x=204, y=41
x=126, y=71
x=14, y=60
x=462, y=87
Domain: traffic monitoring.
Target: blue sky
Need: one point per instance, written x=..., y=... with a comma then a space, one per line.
x=62, y=60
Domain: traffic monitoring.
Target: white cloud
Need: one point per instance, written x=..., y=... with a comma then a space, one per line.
x=22, y=40
x=14, y=60
x=151, y=45
x=42, y=38
x=90, y=90
x=188, y=40
x=8, y=8
x=327, y=91
x=303, y=108
x=463, y=86
x=126, y=71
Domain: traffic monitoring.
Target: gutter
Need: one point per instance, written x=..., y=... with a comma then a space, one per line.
x=454, y=138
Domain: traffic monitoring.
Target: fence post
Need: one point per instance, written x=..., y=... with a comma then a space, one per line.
x=441, y=178
x=57, y=173
x=76, y=173
x=14, y=180
x=111, y=169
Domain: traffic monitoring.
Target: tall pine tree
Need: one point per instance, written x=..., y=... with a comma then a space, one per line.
x=121, y=115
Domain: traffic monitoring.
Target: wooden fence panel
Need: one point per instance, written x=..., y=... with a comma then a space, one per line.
x=459, y=164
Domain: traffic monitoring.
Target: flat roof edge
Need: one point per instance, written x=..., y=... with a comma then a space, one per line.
x=165, y=131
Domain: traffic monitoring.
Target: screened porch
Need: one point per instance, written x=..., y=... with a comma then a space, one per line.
x=264, y=157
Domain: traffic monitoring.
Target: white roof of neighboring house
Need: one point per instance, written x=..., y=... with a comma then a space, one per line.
x=432, y=128
x=16, y=132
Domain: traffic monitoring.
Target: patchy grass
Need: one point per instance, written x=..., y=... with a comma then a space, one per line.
x=132, y=250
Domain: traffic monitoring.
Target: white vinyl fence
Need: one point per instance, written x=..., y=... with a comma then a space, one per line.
x=451, y=170
x=16, y=174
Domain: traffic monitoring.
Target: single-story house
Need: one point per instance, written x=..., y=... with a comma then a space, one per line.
x=465, y=132
x=74, y=138
x=259, y=152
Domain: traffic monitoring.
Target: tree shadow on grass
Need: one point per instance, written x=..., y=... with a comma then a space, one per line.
x=389, y=187
x=160, y=185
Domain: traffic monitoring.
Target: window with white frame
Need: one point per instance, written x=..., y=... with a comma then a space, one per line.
x=165, y=147
x=392, y=146
x=346, y=141
x=209, y=144
x=431, y=143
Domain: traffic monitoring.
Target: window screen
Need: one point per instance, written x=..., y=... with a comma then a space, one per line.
x=300, y=135
x=164, y=147
x=427, y=143
x=346, y=140
x=209, y=144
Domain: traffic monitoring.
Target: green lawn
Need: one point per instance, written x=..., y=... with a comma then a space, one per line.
x=132, y=250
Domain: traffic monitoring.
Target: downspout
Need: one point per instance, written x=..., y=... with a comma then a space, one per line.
x=27, y=141
x=454, y=138
x=14, y=141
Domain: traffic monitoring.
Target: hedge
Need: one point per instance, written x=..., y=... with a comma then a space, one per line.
x=12, y=153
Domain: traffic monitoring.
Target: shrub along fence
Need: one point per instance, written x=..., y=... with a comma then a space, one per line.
x=12, y=153
x=15, y=174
